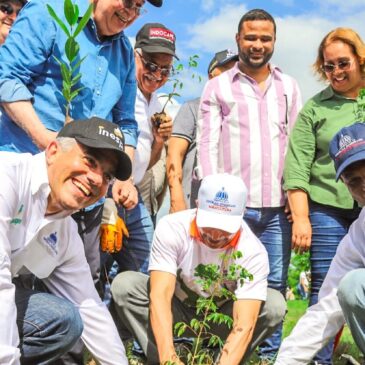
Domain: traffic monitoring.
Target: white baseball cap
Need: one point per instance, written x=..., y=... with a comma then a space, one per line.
x=221, y=202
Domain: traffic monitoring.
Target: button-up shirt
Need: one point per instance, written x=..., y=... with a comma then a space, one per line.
x=243, y=131
x=50, y=248
x=29, y=71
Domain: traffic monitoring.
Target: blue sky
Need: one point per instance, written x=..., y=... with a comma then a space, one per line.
x=207, y=26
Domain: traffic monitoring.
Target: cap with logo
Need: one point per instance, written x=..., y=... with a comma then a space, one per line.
x=157, y=3
x=347, y=147
x=221, y=202
x=156, y=38
x=221, y=58
x=99, y=133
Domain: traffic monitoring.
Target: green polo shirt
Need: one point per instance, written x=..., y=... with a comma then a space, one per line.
x=308, y=165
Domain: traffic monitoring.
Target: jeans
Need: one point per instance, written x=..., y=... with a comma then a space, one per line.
x=135, y=253
x=351, y=295
x=48, y=326
x=271, y=226
x=131, y=299
x=329, y=226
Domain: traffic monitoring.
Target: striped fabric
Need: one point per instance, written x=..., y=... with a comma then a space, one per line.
x=244, y=131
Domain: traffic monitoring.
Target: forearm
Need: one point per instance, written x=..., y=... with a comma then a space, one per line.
x=23, y=114
x=174, y=168
x=299, y=207
x=236, y=344
x=161, y=322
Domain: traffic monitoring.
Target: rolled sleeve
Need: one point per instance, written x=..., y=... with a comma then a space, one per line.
x=300, y=154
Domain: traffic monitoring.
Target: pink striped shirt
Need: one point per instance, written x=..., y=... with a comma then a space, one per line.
x=244, y=131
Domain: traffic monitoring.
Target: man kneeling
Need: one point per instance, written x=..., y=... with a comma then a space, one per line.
x=149, y=306
x=38, y=238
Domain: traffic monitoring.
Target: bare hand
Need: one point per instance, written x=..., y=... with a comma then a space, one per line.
x=301, y=235
x=162, y=132
x=125, y=193
x=287, y=211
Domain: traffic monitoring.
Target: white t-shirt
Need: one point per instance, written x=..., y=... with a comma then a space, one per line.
x=143, y=113
x=176, y=252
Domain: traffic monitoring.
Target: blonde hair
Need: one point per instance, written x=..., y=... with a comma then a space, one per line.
x=347, y=36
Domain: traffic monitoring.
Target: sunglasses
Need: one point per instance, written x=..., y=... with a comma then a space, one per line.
x=152, y=67
x=130, y=5
x=341, y=65
x=8, y=9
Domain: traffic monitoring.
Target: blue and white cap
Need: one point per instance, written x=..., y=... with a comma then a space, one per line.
x=221, y=202
x=348, y=147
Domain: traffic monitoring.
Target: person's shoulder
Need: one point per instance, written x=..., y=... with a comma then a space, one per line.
x=12, y=159
x=179, y=221
x=250, y=241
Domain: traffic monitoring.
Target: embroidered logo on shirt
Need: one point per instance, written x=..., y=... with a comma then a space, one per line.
x=51, y=243
x=18, y=218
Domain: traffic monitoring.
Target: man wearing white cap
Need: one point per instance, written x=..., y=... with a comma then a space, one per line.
x=149, y=306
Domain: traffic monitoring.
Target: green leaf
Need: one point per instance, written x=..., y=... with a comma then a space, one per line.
x=77, y=64
x=76, y=14
x=62, y=25
x=75, y=79
x=75, y=93
x=83, y=20
x=66, y=74
x=195, y=324
x=71, y=49
x=69, y=12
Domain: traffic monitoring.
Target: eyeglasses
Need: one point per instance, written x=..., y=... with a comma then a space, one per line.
x=152, y=67
x=130, y=5
x=341, y=65
x=8, y=9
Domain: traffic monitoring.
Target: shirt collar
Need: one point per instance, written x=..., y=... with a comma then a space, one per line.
x=194, y=233
x=328, y=93
x=234, y=72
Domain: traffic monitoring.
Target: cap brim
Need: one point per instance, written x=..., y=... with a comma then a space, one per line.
x=157, y=3
x=349, y=161
x=227, y=223
x=124, y=168
x=158, y=49
x=229, y=59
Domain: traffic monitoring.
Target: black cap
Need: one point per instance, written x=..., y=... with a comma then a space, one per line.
x=221, y=58
x=156, y=38
x=157, y=3
x=100, y=133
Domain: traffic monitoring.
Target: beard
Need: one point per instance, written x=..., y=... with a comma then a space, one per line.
x=248, y=61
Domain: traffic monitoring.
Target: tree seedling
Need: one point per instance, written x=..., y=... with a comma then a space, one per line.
x=219, y=283
x=70, y=69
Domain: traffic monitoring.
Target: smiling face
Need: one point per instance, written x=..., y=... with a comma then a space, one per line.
x=111, y=16
x=346, y=82
x=149, y=81
x=8, y=13
x=354, y=178
x=255, y=43
x=78, y=176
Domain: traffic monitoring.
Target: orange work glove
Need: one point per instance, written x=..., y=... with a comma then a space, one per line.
x=112, y=228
